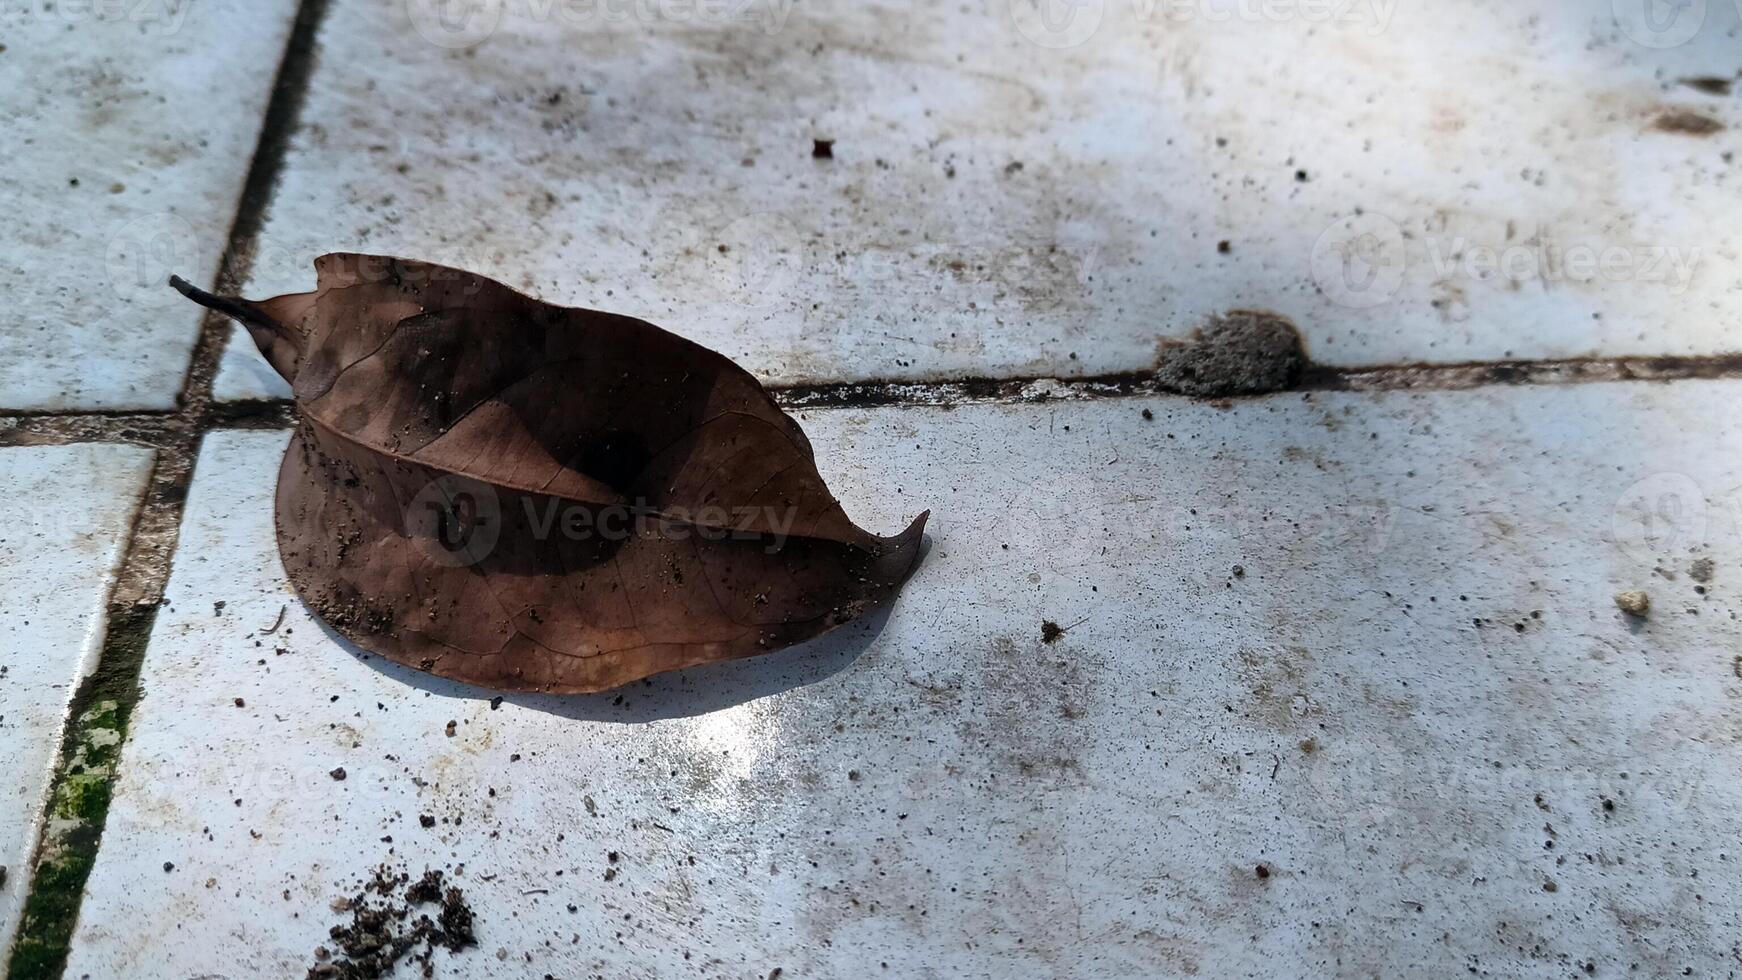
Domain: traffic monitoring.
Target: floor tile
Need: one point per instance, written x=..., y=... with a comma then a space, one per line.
x=1009, y=195
x=1342, y=688
x=68, y=510
x=129, y=129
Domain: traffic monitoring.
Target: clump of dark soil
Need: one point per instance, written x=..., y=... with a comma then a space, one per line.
x=1242, y=352
x=1050, y=631
x=389, y=923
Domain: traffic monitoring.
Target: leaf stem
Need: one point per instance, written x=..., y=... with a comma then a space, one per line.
x=238, y=309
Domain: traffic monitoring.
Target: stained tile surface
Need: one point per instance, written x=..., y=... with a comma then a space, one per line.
x=65, y=522
x=129, y=128
x=1342, y=689
x=1035, y=187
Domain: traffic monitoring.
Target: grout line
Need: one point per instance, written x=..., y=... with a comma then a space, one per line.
x=1401, y=377
x=277, y=129
x=1546, y=371
x=79, y=794
x=165, y=429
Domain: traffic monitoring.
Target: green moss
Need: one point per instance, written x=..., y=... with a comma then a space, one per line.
x=78, y=802
x=82, y=797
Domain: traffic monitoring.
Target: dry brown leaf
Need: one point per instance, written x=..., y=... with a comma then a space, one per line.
x=538, y=498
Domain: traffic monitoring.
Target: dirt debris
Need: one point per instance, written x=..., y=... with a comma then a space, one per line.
x=386, y=927
x=1633, y=602
x=1702, y=570
x=1050, y=631
x=1685, y=122
x=1709, y=84
x=1242, y=352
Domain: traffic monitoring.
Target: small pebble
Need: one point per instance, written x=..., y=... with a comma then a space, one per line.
x=1633, y=602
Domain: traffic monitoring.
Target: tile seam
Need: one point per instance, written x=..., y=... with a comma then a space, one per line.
x=76, y=803
x=158, y=429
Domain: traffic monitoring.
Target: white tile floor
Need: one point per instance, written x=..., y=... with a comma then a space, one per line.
x=128, y=131
x=1441, y=182
x=67, y=512
x=1417, y=708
